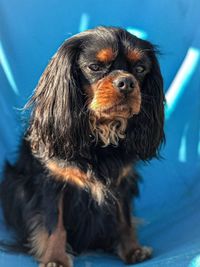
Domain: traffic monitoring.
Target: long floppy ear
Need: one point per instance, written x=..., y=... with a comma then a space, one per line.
x=58, y=125
x=146, y=130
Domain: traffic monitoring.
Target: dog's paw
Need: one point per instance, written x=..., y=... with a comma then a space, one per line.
x=56, y=264
x=50, y=264
x=141, y=254
x=53, y=264
x=137, y=255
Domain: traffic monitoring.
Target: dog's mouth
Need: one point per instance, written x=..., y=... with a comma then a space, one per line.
x=109, y=123
x=120, y=106
x=126, y=107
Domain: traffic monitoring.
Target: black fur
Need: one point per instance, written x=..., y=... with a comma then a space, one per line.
x=59, y=130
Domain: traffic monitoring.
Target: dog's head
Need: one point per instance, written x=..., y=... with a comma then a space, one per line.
x=102, y=87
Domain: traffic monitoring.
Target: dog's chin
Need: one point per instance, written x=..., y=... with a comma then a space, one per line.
x=109, y=124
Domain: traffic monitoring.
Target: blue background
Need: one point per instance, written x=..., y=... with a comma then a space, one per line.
x=31, y=32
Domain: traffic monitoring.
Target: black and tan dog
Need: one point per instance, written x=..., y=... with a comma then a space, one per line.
x=97, y=110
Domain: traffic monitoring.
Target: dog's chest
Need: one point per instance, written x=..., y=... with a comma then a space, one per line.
x=91, y=214
x=89, y=224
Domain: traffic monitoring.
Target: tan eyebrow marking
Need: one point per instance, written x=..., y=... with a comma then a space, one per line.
x=134, y=54
x=105, y=55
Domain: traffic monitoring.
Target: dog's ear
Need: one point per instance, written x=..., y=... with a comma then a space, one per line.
x=58, y=125
x=146, y=130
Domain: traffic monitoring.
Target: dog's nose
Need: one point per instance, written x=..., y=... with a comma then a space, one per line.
x=125, y=84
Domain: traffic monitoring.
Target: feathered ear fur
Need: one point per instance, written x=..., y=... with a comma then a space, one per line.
x=58, y=125
x=146, y=129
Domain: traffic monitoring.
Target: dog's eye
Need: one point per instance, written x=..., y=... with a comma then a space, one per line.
x=94, y=67
x=140, y=69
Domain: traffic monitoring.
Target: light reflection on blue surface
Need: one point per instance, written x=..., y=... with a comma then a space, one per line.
x=182, y=150
x=84, y=22
x=181, y=80
x=7, y=70
x=137, y=32
x=198, y=148
x=195, y=262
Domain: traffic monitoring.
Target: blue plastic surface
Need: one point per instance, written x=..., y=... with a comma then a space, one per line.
x=30, y=33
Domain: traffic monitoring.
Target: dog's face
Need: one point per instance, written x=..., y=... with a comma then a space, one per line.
x=113, y=71
x=104, y=83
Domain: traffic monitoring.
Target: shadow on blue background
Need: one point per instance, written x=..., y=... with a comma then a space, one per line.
x=30, y=33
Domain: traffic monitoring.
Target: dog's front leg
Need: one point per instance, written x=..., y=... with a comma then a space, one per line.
x=49, y=248
x=129, y=249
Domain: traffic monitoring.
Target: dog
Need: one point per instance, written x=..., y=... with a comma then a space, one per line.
x=97, y=111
